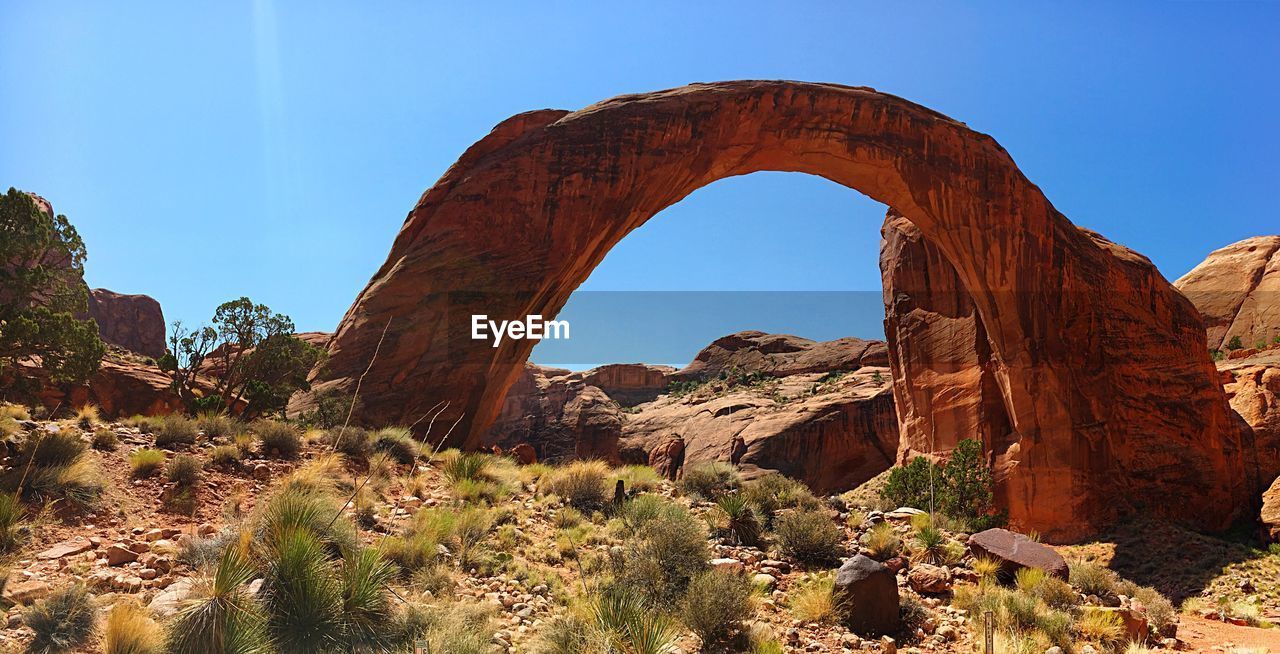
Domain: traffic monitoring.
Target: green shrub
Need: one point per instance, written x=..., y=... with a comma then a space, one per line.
x=353, y=442
x=222, y=617
x=626, y=624
x=664, y=555
x=641, y=509
x=716, y=604
x=468, y=465
x=184, y=470
x=278, y=438
x=105, y=440
x=1093, y=579
x=398, y=442
x=52, y=467
x=225, y=457
x=962, y=489
x=735, y=517
x=64, y=621
x=174, y=431
x=640, y=479
x=145, y=462
x=809, y=537
x=300, y=509
x=1235, y=343
x=215, y=425
x=1160, y=611
x=580, y=483
x=709, y=480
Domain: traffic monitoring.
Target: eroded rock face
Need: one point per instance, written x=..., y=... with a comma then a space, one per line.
x=630, y=384
x=1252, y=385
x=1271, y=511
x=122, y=387
x=1104, y=369
x=781, y=355
x=833, y=436
x=1237, y=290
x=133, y=322
x=559, y=415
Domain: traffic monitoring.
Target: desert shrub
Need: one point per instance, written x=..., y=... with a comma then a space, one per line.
x=640, y=479
x=809, y=537
x=912, y=613
x=86, y=417
x=174, y=431
x=14, y=411
x=130, y=630
x=471, y=527
x=65, y=620
x=104, y=440
x=455, y=628
x=773, y=492
x=813, y=599
x=883, y=542
x=398, y=443
x=434, y=578
x=641, y=509
x=1092, y=579
x=580, y=483
x=225, y=457
x=667, y=551
x=626, y=624
x=146, y=462
x=709, y=480
x=54, y=466
x=1160, y=611
x=716, y=604
x=215, y=425
x=299, y=509
x=184, y=470
x=278, y=438
x=12, y=531
x=352, y=442
x=569, y=634
x=735, y=517
x=1235, y=343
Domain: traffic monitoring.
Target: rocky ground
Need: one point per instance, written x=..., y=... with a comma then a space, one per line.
x=540, y=554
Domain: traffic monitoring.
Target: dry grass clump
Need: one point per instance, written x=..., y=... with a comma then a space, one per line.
x=173, y=431
x=130, y=630
x=580, y=483
x=773, y=493
x=104, y=440
x=184, y=471
x=64, y=621
x=145, y=462
x=87, y=417
x=12, y=514
x=214, y=424
x=54, y=466
x=398, y=442
x=812, y=600
x=226, y=457
x=882, y=542
x=278, y=439
x=640, y=479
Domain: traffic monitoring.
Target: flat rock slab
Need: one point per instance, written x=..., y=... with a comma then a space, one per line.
x=1015, y=551
x=66, y=548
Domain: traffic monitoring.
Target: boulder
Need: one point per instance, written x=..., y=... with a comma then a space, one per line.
x=25, y=591
x=119, y=554
x=133, y=322
x=866, y=597
x=169, y=602
x=1237, y=291
x=926, y=578
x=1016, y=551
x=1105, y=373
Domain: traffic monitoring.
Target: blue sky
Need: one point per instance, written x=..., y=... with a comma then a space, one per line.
x=211, y=150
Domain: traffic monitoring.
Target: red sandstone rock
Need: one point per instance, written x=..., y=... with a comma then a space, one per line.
x=123, y=386
x=559, y=415
x=629, y=384
x=781, y=355
x=133, y=322
x=1253, y=387
x=1104, y=369
x=1016, y=551
x=1237, y=290
x=1271, y=511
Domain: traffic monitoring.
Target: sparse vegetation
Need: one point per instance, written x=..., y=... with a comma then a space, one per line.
x=53, y=466
x=580, y=483
x=883, y=543
x=104, y=440
x=960, y=489
x=63, y=621
x=130, y=630
x=398, y=443
x=175, y=430
x=735, y=517
x=716, y=605
x=278, y=438
x=809, y=537
x=709, y=480
x=146, y=462
x=12, y=514
x=184, y=471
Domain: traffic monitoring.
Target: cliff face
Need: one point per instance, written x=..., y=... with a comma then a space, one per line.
x=1237, y=290
x=133, y=322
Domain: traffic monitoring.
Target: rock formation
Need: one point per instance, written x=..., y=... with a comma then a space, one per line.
x=781, y=355
x=559, y=415
x=123, y=386
x=1103, y=367
x=1237, y=290
x=133, y=322
x=1252, y=385
x=630, y=384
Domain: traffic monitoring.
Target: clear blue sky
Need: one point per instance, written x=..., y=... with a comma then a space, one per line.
x=272, y=149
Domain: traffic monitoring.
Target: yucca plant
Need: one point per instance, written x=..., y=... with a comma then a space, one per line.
x=367, y=611
x=930, y=545
x=300, y=593
x=630, y=625
x=738, y=518
x=63, y=621
x=54, y=467
x=293, y=509
x=130, y=630
x=12, y=513
x=222, y=618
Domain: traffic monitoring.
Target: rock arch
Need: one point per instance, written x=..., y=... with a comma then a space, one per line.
x=1103, y=368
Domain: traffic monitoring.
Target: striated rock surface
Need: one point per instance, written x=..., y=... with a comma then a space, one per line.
x=1237, y=290
x=832, y=435
x=630, y=384
x=559, y=415
x=781, y=355
x=133, y=322
x=1252, y=385
x=1104, y=370
x=123, y=386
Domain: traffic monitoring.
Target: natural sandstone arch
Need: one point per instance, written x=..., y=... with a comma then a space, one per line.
x=1103, y=368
